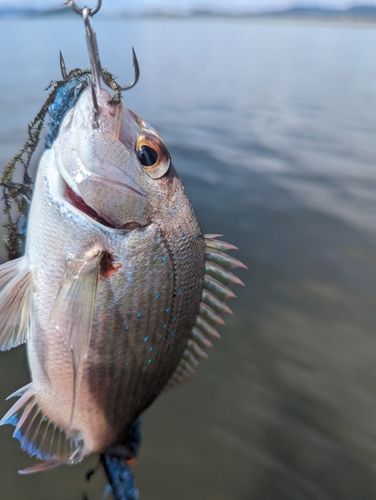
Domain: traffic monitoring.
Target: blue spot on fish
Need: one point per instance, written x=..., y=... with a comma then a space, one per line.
x=151, y=349
x=164, y=259
x=168, y=309
x=149, y=361
x=180, y=291
x=158, y=295
x=139, y=315
x=173, y=332
x=146, y=338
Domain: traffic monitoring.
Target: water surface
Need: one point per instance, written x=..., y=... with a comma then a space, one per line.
x=272, y=127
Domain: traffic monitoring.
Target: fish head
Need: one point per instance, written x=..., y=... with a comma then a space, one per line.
x=114, y=166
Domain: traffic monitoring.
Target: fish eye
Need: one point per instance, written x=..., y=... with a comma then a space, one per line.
x=152, y=155
x=147, y=156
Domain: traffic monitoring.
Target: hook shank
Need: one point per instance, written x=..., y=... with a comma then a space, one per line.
x=97, y=73
x=92, y=47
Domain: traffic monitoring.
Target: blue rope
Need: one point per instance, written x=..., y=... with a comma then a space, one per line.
x=121, y=478
x=66, y=98
x=118, y=471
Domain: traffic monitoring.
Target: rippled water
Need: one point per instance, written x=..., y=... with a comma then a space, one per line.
x=272, y=127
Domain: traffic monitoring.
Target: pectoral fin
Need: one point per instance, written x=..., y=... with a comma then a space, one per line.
x=73, y=311
x=15, y=302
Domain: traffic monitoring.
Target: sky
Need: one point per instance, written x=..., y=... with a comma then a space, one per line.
x=233, y=4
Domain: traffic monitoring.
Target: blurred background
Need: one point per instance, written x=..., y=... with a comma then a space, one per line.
x=269, y=110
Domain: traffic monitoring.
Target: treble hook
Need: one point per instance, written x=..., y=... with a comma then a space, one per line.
x=92, y=46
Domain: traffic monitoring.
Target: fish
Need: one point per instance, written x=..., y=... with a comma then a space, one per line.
x=118, y=294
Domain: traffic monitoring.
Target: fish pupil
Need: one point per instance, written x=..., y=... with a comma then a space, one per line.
x=147, y=156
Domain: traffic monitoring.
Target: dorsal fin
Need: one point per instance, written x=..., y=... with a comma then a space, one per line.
x=215, y=292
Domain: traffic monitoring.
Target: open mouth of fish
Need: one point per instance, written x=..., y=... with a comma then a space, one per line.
x=72, y=198
x=75, y=199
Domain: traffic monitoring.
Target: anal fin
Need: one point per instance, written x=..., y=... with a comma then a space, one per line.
x=38, y=435
x=15, y=301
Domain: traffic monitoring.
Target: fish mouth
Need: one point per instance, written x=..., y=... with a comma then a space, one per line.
x=76, y=201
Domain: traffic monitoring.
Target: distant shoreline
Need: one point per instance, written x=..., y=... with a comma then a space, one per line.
x=340, y=21
x=353, y=16
x=262, y=17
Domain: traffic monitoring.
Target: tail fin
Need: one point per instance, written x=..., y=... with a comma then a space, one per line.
x=15, y=299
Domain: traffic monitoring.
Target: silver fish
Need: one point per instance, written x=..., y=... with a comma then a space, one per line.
x=119, y=293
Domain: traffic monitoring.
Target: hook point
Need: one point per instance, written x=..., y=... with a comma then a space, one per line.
x=137, y=73
x=63, y=68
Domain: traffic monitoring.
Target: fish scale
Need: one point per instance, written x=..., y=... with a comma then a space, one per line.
x=137, y=330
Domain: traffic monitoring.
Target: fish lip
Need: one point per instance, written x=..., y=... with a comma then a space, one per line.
x=70, y=197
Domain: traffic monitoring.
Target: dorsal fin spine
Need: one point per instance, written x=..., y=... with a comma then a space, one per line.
x=215, y=292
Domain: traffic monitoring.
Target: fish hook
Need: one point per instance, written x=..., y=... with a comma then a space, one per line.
x=78, y=10
x=92, y=45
